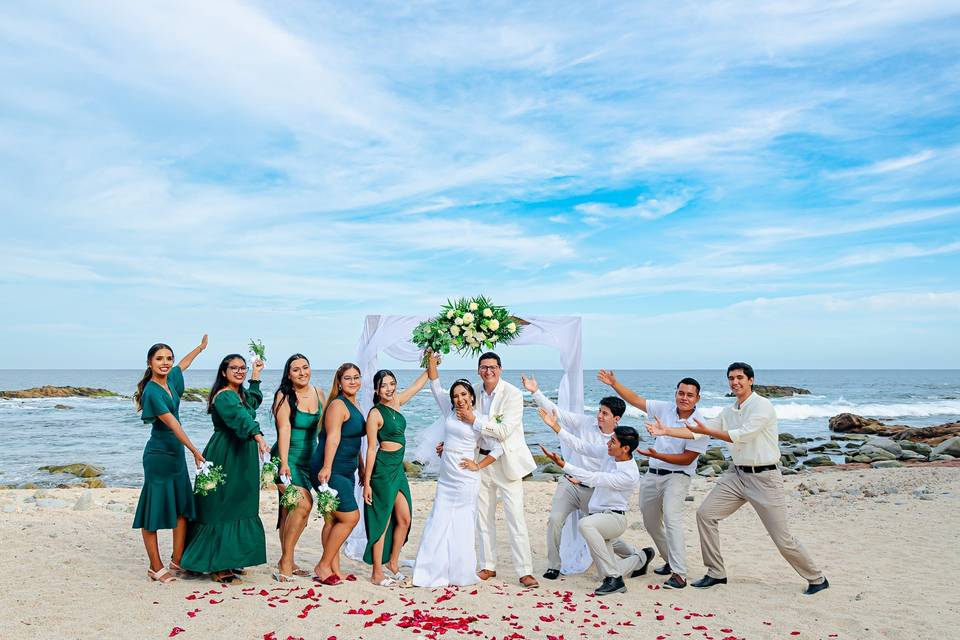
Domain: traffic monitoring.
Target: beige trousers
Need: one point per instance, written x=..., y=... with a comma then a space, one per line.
x=567, y=498
x=611, y=556
x=661, y=503
x=764, y=491
x=511, y=493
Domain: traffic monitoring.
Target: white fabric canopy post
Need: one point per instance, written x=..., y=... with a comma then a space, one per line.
x=391, y=335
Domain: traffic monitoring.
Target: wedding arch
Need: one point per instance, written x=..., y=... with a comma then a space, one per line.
x=390, y=334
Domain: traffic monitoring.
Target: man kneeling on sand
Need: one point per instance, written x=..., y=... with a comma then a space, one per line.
x=614, y=484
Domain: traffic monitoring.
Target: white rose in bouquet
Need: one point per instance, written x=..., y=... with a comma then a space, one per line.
x=512, y=327
x=493, y=325
x=468, y=317
x=474, y=306
x=458, y=321
x=494, y=338
x=450, y=314
x=488, y=313
x=454, y=330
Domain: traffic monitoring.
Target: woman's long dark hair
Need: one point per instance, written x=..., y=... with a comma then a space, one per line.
x=221, y=380
x=336, y=389
x=377, y=379
x=286, y=390
x=152, y=351
x=463, y=382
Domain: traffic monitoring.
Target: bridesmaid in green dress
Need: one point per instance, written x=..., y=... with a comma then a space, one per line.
x=386, y=493
x=228, y=534
x=297, y=407
x=335, y=463
x=166, y=500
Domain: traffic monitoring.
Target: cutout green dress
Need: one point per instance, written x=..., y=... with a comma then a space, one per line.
x=386, y=481
x=228, y=533
x=166, y=493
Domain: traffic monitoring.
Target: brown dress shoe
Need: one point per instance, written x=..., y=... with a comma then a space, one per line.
x=529, y=581
x=486, y=574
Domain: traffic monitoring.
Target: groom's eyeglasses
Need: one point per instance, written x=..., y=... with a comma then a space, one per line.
x=489, y=367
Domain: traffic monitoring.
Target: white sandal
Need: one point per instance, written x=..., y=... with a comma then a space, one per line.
x=162, y=575
x=386, y=582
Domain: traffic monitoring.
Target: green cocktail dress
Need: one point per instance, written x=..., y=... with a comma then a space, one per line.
x=166, y=494
x=303, y=441
x=228, y=533
x=386, y=481
x=344, y=467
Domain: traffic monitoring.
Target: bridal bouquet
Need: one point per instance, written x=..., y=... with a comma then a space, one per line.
x=467, y=326
x=269, y=471
x=327, y=501
x=257, y=351
x=209, y=477
x=291, y=496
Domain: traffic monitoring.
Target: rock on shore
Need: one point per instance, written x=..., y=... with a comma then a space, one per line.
x=59, y=392
x=852, y=423
x=776, y=391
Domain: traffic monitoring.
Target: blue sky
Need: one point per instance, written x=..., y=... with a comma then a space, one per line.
x=701, y=181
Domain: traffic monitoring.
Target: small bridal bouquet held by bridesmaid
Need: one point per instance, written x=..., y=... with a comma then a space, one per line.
x=290, y=498
x=258, y=351
x=269, y=471
x=209, y=477
x=327, y=501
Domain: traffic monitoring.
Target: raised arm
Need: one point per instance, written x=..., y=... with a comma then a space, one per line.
x=607, y=377
x=572, y=422
x=569, y=439
x=188, y=359
x=408, y=394
x=442, y=398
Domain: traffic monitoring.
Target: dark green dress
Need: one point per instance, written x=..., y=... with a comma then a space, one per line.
x=303, y=440
x=344, y=468
x=386, y=481
x=228, y=533
x=166, y=493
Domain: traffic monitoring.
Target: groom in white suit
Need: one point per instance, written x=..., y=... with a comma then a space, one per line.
x=500, y=407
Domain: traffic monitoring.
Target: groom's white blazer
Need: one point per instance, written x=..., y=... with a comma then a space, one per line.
x=516, y=461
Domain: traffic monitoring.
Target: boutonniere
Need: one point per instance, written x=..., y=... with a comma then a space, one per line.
x=498, y=418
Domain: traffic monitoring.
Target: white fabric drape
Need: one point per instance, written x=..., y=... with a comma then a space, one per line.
x=391, y=335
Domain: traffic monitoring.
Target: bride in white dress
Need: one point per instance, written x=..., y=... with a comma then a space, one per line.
x=447, y=553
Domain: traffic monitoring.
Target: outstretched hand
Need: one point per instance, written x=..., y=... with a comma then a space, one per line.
x=556, y=457
x=439, y=449
x=656, y=428
x=607, y=377
x=203, y=342
x=549, y=418
x=650, y=452
x=530, y=384
x=700, y=428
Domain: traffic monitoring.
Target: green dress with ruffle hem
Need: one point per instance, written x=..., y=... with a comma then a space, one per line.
x=166, y=494
x=227, y=532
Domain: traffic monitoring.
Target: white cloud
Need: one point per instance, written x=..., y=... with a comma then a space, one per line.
x=645, y=208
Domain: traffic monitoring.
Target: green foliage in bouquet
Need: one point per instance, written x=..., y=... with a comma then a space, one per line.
x=291, y=497
x=269, y=473
x=327, y=502
x=208, y=479
x=258, y=350
x=468, y=326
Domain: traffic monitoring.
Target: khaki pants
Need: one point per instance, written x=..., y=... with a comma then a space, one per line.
x=567, y=498
x=511, y=492
x=661, y=503
x=611, y=556
x=764, y=491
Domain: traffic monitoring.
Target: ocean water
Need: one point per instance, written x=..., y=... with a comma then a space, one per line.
x=107, y=432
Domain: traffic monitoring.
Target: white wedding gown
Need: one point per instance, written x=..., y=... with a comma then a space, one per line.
x=448, y=553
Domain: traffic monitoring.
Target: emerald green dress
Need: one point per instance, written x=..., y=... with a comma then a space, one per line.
x=344, y=467
x=166, y=494
x=228, y=533
x=303, y=441
x=386, y=480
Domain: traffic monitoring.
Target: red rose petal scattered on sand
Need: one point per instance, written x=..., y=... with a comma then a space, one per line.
x=351, y=578
x=547, y=619
x=660, y=617
x=700, y=628
x=726, y=630
x=193, y=614
x=175, y=631
x=794, y=633
x=270, y=636
x=192, y=596
x=212, y=601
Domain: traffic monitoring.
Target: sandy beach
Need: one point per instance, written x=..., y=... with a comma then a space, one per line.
x=884, y=537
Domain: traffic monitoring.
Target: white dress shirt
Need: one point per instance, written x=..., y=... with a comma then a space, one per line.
x=613, y=485
x=578, y=425
x=752, y=426
x=670, y=417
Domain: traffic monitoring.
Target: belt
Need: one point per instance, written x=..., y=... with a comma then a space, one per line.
x=484, y=452
x=748, y=469
x=617, y=511
x=666, y=472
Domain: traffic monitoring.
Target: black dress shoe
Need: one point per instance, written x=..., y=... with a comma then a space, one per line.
x=816, y=588
x=675, y=582
x=707, y=581
x=610, y=585
x=665, y=570
x=551, y=574
x=648, y=553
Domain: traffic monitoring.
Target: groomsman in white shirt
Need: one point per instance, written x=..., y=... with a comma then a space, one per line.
x=500, y=406
x=614, y=484
x=673, y=462
x=750, y=429
x=573, y=495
